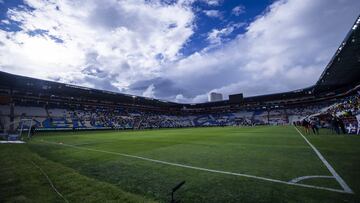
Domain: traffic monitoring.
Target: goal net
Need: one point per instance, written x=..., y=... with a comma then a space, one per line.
x=19, y=130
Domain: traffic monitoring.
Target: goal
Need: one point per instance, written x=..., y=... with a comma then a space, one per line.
x=18, y=130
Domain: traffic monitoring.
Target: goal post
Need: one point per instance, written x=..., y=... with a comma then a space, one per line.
x=19, y=129
x=26, y=125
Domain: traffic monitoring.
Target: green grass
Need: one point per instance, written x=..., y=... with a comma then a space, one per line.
x=21, y=181
x=272, y=152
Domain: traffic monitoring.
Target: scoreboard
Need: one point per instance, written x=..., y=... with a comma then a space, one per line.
x=236, y=98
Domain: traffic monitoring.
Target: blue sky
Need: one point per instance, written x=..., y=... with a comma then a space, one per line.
x=178, y=50
x=230, y=12
x=247, y=12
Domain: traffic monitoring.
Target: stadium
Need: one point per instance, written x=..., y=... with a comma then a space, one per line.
x=67, y=143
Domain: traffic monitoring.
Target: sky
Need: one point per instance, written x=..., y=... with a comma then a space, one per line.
x=175, y=50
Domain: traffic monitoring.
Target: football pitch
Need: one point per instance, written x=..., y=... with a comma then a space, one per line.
x=218, y=164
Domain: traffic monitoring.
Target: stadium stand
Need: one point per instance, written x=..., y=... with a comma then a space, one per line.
x=57, y=106
x=109, y=117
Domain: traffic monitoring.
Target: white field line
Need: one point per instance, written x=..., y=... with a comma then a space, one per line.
x=328, y=166
x=12, y=142
x=49, y=180
x=200, y=168
x=298, y=179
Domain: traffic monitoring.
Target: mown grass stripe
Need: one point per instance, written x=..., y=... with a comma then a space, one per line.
x=200, y=168
x=343, y=184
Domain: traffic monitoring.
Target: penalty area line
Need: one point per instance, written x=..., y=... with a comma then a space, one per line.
x=200, y=168
x=328, y=166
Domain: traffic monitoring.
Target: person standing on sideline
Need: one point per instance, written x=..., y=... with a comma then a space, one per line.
x=358, y=124
x=342, y=126
x=314, y=127
x=335, y=124
x=306, y=125
x=32, y=130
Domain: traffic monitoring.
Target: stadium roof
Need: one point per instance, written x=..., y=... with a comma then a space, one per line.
x=344, y=67
x=17, y=82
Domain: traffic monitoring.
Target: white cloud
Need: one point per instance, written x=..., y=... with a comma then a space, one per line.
x=213, y=2
x=216, y=36
x=286, y=48
x=149, y=92
x=238, y=10
x=134, y=46
x=123, y=39
x=213, y=13
x=5, y=21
